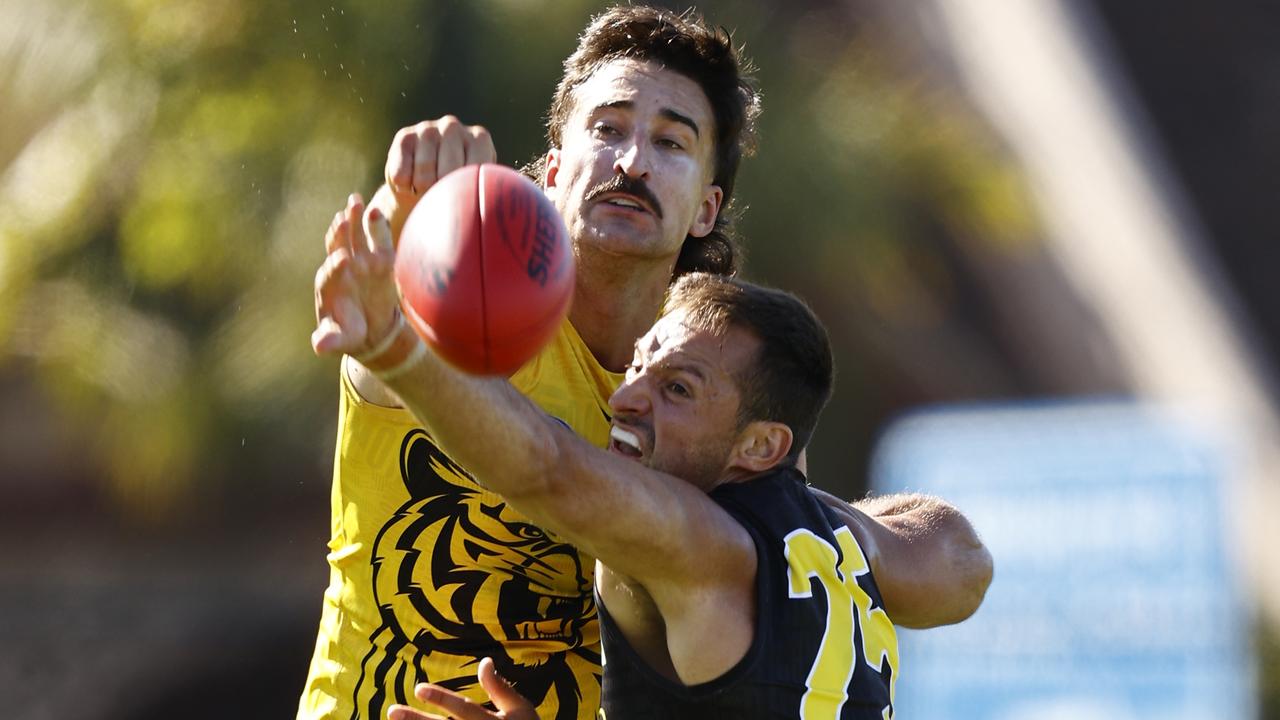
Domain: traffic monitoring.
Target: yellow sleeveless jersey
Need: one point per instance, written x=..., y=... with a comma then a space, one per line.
x=429, y=572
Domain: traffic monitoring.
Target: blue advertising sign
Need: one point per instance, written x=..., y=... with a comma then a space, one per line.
x=1114, y=594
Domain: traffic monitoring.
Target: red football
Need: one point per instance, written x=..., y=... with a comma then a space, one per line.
x=484, y=269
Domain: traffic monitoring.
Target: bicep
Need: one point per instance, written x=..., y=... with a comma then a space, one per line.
x=928, y=563
x=898, y=566
x=901, y=569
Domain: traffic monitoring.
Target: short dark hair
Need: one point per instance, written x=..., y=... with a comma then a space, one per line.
x=793, y=373
x=686, y=44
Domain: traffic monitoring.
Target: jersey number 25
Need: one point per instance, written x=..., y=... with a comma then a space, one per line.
x=811, y=559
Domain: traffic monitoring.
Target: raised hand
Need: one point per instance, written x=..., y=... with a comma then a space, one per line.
x=355, y=294
x=422, y=154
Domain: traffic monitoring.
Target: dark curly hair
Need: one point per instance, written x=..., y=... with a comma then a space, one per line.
x=686, y=44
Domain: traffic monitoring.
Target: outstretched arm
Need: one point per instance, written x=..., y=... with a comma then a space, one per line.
x=645, y=524
x=930, y=565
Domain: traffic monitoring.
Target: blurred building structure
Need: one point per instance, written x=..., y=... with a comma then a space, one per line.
x=1125, y=232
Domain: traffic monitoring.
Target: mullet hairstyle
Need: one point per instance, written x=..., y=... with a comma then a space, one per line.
x=686, y=44
x=791, y=378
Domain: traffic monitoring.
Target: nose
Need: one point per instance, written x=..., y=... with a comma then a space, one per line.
x=632, y=159
x=631, y=398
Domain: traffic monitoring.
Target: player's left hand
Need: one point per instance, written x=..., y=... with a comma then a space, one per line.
x=355, y=293
x=511, y=705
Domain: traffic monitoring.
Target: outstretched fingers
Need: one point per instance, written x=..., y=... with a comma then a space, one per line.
x=338, y=236
x=355, y=296
x=512, y=704
x=453, y=704
x=340, y=322
x=377, y=257
x=377, y=246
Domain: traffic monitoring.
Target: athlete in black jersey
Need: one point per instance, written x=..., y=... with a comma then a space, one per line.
x=822, y=645
x=726, y=589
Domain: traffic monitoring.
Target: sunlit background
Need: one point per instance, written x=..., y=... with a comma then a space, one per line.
x=997, y=203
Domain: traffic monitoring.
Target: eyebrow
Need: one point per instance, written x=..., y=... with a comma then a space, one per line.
x=690, y=368
x=693, y=370
x=667, y=113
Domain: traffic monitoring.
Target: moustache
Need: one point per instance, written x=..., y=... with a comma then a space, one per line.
x=627, y=185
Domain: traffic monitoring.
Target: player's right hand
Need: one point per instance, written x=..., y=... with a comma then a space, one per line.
x=422, y=154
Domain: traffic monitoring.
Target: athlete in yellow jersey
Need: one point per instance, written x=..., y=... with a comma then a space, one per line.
x=454, y=572
x=431, y=573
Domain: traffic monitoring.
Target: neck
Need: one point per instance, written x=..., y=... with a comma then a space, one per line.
x=615, y=301
x=738, y=474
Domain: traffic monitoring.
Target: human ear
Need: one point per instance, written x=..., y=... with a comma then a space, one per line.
x=552, y=168
x=705, y=220
x=761, y=446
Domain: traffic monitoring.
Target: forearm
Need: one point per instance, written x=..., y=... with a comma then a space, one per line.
x=607, y=506
x=484, y=424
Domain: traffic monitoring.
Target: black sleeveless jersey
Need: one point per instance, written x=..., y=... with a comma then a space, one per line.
x=823, y=647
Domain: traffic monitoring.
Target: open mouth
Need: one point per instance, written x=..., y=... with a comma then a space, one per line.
x=626, y=202
x=624, y=442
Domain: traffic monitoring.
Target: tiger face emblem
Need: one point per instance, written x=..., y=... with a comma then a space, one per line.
x=459, y=576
